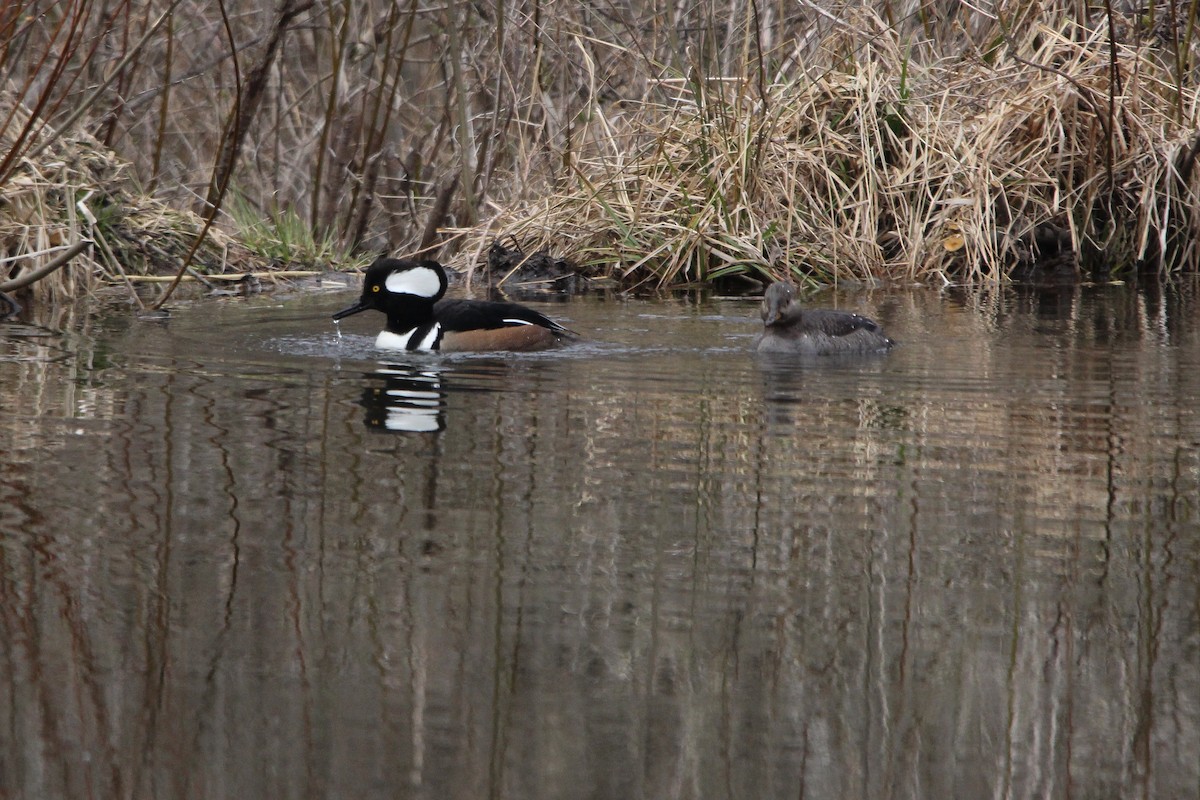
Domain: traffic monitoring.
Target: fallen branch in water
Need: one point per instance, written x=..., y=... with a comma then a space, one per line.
x=29, y=278
x=295, y=273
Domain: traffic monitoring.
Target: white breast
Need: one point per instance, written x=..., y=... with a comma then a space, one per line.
x=386, y=340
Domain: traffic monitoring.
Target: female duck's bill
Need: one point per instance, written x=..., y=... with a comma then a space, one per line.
x=789, y=329
x=418, y=319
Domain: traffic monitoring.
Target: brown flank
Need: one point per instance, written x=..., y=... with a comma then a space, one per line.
x=516, y=337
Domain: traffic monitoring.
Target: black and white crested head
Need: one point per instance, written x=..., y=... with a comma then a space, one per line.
x=400, y=288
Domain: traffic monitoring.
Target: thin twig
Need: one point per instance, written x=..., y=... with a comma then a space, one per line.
x=84, y=106
x=30, y=278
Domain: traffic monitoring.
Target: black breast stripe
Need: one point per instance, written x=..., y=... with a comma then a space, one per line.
x=420, y=333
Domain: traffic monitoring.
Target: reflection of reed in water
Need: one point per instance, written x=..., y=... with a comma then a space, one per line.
x=786, y=379
x=410, y=401
x=611, y=560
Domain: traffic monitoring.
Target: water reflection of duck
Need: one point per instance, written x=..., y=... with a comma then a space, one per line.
x=789, y=329
x=410, y=401
x=410, y=293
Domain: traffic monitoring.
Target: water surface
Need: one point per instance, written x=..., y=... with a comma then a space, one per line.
x=242, y=555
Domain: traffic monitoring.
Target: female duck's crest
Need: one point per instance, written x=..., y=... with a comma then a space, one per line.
x=776, y=299
x=789, y=329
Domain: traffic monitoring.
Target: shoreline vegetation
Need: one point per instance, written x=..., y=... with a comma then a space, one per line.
x=720, y=144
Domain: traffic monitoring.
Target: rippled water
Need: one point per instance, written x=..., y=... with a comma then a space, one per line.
x=242, y=555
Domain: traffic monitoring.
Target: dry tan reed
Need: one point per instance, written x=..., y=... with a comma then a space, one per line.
x=886, y=167
x=77, y=192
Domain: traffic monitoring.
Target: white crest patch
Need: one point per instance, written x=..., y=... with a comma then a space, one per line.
x=420, y=281
x=517, y=321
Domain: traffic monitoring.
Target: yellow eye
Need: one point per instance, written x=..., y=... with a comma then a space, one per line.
x=375, y=288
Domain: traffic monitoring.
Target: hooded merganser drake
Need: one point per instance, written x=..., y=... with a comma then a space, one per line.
x=410, y=293
x=788, y=329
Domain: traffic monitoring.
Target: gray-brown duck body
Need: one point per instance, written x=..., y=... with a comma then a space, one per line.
x=788, y=328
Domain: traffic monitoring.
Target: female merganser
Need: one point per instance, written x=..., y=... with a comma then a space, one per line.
x=789, y=329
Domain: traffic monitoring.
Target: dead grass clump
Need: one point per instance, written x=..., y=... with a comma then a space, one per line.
x=75, y=194
x=1055, y=149
x=657, y=144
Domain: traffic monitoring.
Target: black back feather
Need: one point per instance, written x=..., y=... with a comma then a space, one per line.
x=468, y=315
